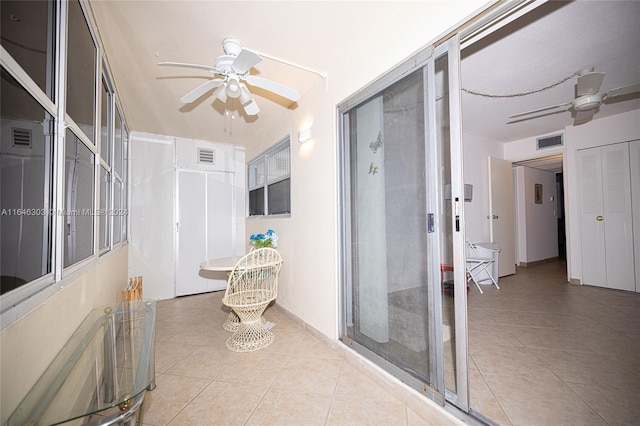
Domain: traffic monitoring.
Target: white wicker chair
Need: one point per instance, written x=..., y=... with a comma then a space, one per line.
x=252, y=285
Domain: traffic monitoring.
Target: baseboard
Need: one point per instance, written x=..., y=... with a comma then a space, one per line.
x=427, y=409
x=575, y=281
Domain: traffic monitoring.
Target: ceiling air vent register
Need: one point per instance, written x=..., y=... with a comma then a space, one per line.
x=549, y=141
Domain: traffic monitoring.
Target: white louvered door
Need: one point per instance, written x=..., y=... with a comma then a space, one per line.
x=606, y=217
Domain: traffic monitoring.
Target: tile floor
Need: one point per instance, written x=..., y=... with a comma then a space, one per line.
x=545, y=352
x=542, y=352
x=297, y=380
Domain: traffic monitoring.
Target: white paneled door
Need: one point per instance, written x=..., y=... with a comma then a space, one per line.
x=501, y=214
x=205, y=212
x=606, y=217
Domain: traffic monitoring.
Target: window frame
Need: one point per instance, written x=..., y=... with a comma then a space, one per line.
x=19, y=301
x=264, y=159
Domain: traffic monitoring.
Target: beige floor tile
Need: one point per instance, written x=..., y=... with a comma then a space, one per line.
x=204, y=362
x=221, y=404
x=482, y=398
x=353, y=383
x=250, y=370
x=607, y=402
x=548, y=401
x=353, y=411
x=169, y=354
x=317, y=375
x=280, y=408
x=171, y=395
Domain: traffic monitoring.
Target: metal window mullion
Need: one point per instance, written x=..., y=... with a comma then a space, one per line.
x=266, y=185
x=23, y=78
x=60, y=142
x=80, y=134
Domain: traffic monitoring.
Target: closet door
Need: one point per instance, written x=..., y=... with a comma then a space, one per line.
x=606, y=218
x=205, y=230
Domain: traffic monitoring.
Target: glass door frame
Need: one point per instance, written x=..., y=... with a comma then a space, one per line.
x=435, y=389
x=451, y=49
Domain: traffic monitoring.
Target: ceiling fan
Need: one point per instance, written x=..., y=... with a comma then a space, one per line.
x=234, y=69
x=588, y=98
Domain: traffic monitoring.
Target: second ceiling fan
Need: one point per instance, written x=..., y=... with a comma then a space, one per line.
x=588, y=98
x=234, y=69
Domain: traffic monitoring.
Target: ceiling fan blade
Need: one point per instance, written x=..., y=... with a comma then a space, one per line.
x=244, y=61
x=583, y=116
x=624, y=90
x=565, y=107
x=185, y=65
x=200, y=90
x=589, y=83
x=251, y=108
x=277, y=88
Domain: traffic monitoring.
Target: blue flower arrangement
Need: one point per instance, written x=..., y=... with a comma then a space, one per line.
x=268, y=239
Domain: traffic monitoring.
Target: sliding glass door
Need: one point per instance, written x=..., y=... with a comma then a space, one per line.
x=402, y=226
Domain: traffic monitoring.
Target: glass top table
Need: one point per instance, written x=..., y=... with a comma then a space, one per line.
x=102, y=372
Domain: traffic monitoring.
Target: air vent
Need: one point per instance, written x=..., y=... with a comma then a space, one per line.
x=21, y=137
x=206, y=156
x=549, y=141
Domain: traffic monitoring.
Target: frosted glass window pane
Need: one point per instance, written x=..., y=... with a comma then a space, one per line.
x=279, y=164
x=78, y=201
x=117, y=212
x=103, y=220
x=105, y=140
x=25, y=187
x=81, y=71
x=117, y=141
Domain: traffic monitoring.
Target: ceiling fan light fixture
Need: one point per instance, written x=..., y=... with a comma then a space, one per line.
x=233, y=87
x=221, y=93
x=245, y=96
x=587, y=102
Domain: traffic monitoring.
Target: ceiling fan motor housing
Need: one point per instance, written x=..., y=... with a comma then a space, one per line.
x=588, y=102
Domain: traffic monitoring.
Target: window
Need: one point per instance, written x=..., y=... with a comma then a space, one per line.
x=27, y=28
x=25, y=186
x=78, y=201
x=47, y=234
x=81, y=71
x=270, y=181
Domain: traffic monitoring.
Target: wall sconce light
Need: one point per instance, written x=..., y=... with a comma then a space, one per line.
x=304, y=135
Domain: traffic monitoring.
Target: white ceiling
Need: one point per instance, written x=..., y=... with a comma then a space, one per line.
x=551, y=43
x=541, y=48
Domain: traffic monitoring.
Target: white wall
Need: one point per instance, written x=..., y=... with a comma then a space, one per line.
x=28, y=345
x=308, y=239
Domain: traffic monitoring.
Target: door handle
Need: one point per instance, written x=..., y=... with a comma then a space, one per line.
x=599, y=218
